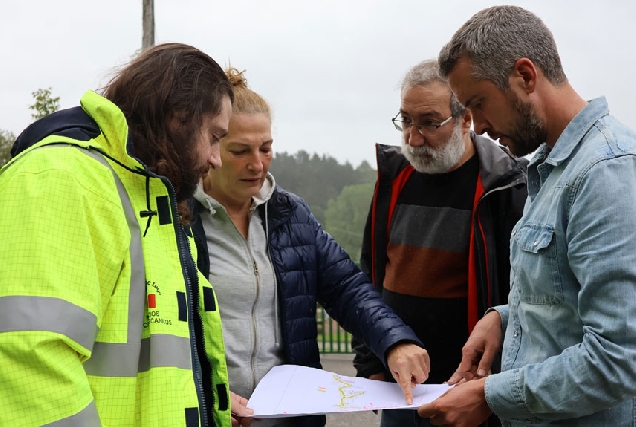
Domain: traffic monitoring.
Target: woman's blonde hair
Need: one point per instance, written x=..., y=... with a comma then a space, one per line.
x=245, y=99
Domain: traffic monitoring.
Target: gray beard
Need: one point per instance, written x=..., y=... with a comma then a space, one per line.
x=435, y=161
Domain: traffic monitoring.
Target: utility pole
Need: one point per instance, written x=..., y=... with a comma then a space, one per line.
x=148, y=37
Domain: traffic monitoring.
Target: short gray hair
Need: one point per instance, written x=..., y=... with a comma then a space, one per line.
x=495, y=38
x=425, y=73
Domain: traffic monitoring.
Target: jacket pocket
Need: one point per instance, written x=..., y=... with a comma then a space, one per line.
x=535, y=264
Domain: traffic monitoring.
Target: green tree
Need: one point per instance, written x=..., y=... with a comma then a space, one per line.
x=318, y=179
x=346, y=216
x=366, y=174
x=6, y=142
x=44, y=104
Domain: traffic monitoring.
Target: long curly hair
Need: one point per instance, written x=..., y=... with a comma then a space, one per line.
x=164, y=93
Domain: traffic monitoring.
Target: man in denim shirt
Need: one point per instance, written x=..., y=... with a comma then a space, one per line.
x=569, y=351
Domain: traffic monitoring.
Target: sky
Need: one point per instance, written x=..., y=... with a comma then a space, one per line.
x=330, y=69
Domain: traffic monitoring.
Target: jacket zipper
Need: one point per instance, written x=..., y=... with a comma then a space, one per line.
x=184, y=246
x=258, y=288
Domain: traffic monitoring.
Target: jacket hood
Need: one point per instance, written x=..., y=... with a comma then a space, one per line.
x=73, y=123
x=97, y=120
x=264, y=194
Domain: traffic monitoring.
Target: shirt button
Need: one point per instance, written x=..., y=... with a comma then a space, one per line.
x=514, y=334
x=536, y=242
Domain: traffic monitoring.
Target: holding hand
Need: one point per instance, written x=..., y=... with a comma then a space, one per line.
x=465, y=404
x=462, y=406
x=410, y=366
x=240, y=410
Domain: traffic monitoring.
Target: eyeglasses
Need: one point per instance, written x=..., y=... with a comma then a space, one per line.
x=429, y=127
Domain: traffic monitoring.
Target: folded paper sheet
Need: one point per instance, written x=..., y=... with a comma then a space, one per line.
x=290, y=390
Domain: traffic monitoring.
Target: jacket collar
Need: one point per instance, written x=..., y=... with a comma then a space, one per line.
x=113, y=125
x=211, y=204
x=497, y=166
x=279, y=206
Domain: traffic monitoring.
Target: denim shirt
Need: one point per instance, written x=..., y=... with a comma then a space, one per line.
x=569, y=353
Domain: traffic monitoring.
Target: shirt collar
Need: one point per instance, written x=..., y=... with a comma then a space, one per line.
x=575, y=131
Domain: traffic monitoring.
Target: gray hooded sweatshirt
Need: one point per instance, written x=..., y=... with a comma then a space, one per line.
x=245, y=284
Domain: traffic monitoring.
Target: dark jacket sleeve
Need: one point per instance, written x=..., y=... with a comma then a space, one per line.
x=365, y=362
x=348, y=296
x=509, y=209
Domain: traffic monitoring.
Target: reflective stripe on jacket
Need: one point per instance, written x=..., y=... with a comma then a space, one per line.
x=99, y=293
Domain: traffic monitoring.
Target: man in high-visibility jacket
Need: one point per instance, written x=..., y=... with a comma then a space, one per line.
x=104, y=319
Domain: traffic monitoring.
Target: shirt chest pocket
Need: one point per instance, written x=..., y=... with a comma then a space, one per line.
x=535, y=264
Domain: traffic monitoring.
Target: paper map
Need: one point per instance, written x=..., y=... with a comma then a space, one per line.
x=290, y=390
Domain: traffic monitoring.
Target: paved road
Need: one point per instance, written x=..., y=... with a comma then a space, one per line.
x=341, y=364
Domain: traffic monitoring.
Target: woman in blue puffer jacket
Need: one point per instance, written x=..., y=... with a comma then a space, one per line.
x=270, y=262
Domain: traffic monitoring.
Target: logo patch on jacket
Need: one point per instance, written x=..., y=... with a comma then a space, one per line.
x=153, y=314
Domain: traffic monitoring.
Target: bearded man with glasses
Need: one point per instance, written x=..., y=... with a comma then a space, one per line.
x=437, y=236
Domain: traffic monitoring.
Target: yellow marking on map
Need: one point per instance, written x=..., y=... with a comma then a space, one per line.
x=342, y=389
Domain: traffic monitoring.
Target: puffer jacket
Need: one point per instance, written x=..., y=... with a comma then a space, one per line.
x=312, y=268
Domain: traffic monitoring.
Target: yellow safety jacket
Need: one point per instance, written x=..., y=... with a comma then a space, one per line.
x=102, y=309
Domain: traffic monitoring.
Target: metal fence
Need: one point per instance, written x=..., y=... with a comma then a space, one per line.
x=331, y=337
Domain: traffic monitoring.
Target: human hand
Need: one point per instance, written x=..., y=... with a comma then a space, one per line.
x=480, y=349
x=410, y=365
x=240, y=410
x=462, y=406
